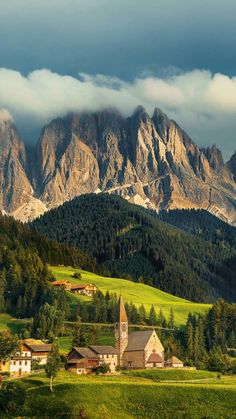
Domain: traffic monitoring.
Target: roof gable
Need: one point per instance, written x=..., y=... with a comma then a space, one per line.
x=103, y=350
x=45, y=347
x=155, y=358
x=82, y=286
x=174, y=360
x=61, y=282
x=139, y=340
x=84, y=352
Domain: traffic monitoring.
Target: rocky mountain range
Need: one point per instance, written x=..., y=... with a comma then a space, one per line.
x=148, y=160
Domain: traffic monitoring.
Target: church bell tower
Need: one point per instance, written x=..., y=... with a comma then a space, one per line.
x=121, y=330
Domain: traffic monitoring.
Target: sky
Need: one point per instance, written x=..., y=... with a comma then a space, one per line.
x=59, y=56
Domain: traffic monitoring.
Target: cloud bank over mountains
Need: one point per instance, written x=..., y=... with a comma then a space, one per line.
x=204, y=104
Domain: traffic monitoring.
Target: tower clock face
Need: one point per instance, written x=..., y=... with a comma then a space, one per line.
x=123, y=334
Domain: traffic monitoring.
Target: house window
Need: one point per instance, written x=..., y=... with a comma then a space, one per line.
x=26, y=362
x=4, y=363
x=14, y=363
x=19, y=362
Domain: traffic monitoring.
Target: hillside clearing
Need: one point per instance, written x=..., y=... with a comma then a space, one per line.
x=133, y=292
x=8, y=322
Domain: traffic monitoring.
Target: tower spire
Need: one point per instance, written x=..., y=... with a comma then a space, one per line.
x=122, y=316
x=121, y=330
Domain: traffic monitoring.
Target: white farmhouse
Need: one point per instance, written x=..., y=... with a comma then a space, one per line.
x=20, y=363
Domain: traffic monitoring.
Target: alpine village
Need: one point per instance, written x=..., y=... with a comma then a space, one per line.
x=117, y=209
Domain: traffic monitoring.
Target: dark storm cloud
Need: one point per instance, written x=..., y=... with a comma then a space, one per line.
x=119, y=38
x=157, y=49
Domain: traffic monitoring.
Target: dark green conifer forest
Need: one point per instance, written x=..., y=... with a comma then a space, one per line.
x=132, y=242
x=24, y=277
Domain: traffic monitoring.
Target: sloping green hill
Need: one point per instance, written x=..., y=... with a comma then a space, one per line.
x=130, y=240
x=8, y=322
x=131, y=291
x=127, y=397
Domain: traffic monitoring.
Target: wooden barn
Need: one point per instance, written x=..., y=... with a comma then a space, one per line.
x=84, y=289
x=62, y=283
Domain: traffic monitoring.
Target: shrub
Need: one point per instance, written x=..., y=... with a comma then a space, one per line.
x=35, y=365
x=102, y=369
x=12, y=396
x=218, y=361
x=77, y=275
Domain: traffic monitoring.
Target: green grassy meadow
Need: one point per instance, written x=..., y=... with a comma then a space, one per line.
x=135, y=292
x=172, y=374
x=8, y=322
x=128, y=397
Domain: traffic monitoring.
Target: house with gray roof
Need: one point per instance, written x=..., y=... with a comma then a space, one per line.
x=84, y=360
x=38, y=349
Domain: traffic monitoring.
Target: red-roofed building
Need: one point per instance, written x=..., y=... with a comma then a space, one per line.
x=84, y=289
x=62, y=283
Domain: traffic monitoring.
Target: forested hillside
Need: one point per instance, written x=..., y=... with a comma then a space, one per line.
x=130, y=241
x=24, y=276
x=202, y=224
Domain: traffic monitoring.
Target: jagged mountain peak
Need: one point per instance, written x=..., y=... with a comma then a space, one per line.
x=231, y=165
x=214, y=157
x=148, y=160
x=139, y=111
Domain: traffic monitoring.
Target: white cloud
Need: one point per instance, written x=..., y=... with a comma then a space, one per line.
x=45, y=94
x=192, y=98
x=5, y=115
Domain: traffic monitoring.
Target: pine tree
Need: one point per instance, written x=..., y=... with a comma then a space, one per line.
x=232, y=340
x=76, y=334
x=142, y=314
x=201, y=338
x=152, y=316
x=161, y=318
x=171, y=319
x=2, y=291
x=189, y=340
x=133, y=314
x=196, y=346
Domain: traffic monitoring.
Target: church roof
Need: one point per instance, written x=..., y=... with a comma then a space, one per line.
x=139, y=340
x=155, y=358
x=122, y=316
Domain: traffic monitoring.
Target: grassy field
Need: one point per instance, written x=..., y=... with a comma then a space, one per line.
x=128, y=397
x=10, y=323
x=131, y=291
x=171, y=374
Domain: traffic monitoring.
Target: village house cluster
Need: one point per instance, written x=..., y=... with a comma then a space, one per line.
x=31, y=350
x=84, y=289
x=136, y=350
